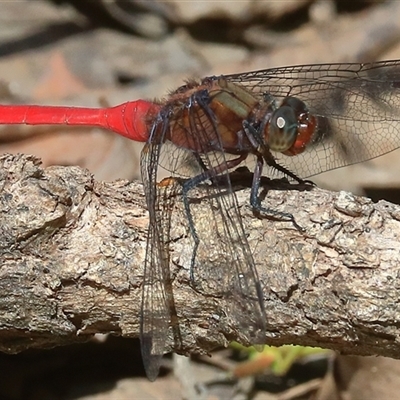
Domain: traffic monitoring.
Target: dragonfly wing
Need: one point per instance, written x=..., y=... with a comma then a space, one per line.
x=155, y=312
x=224, y=265
x=177, y=161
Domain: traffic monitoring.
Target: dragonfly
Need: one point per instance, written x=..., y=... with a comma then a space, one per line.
x=295, y=121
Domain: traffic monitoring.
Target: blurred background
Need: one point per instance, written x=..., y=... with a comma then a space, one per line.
x=105, y=52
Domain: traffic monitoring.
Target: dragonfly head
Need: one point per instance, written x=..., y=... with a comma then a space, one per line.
x=290, y=128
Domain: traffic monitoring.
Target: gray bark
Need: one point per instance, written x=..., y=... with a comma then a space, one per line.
x=72, y=253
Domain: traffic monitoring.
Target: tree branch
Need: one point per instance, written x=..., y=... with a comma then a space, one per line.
x=72, y=252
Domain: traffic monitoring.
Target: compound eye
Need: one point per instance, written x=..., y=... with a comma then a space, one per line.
x=282, y=130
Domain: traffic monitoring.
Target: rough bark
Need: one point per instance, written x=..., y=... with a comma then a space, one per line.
x=72, y=252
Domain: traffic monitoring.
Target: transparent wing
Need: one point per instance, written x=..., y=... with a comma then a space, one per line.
x=156, y=294
x=222, y=263
x=357, y=107
x=154, y=312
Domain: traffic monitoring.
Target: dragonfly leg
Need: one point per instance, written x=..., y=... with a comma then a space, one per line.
x=256, y=202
